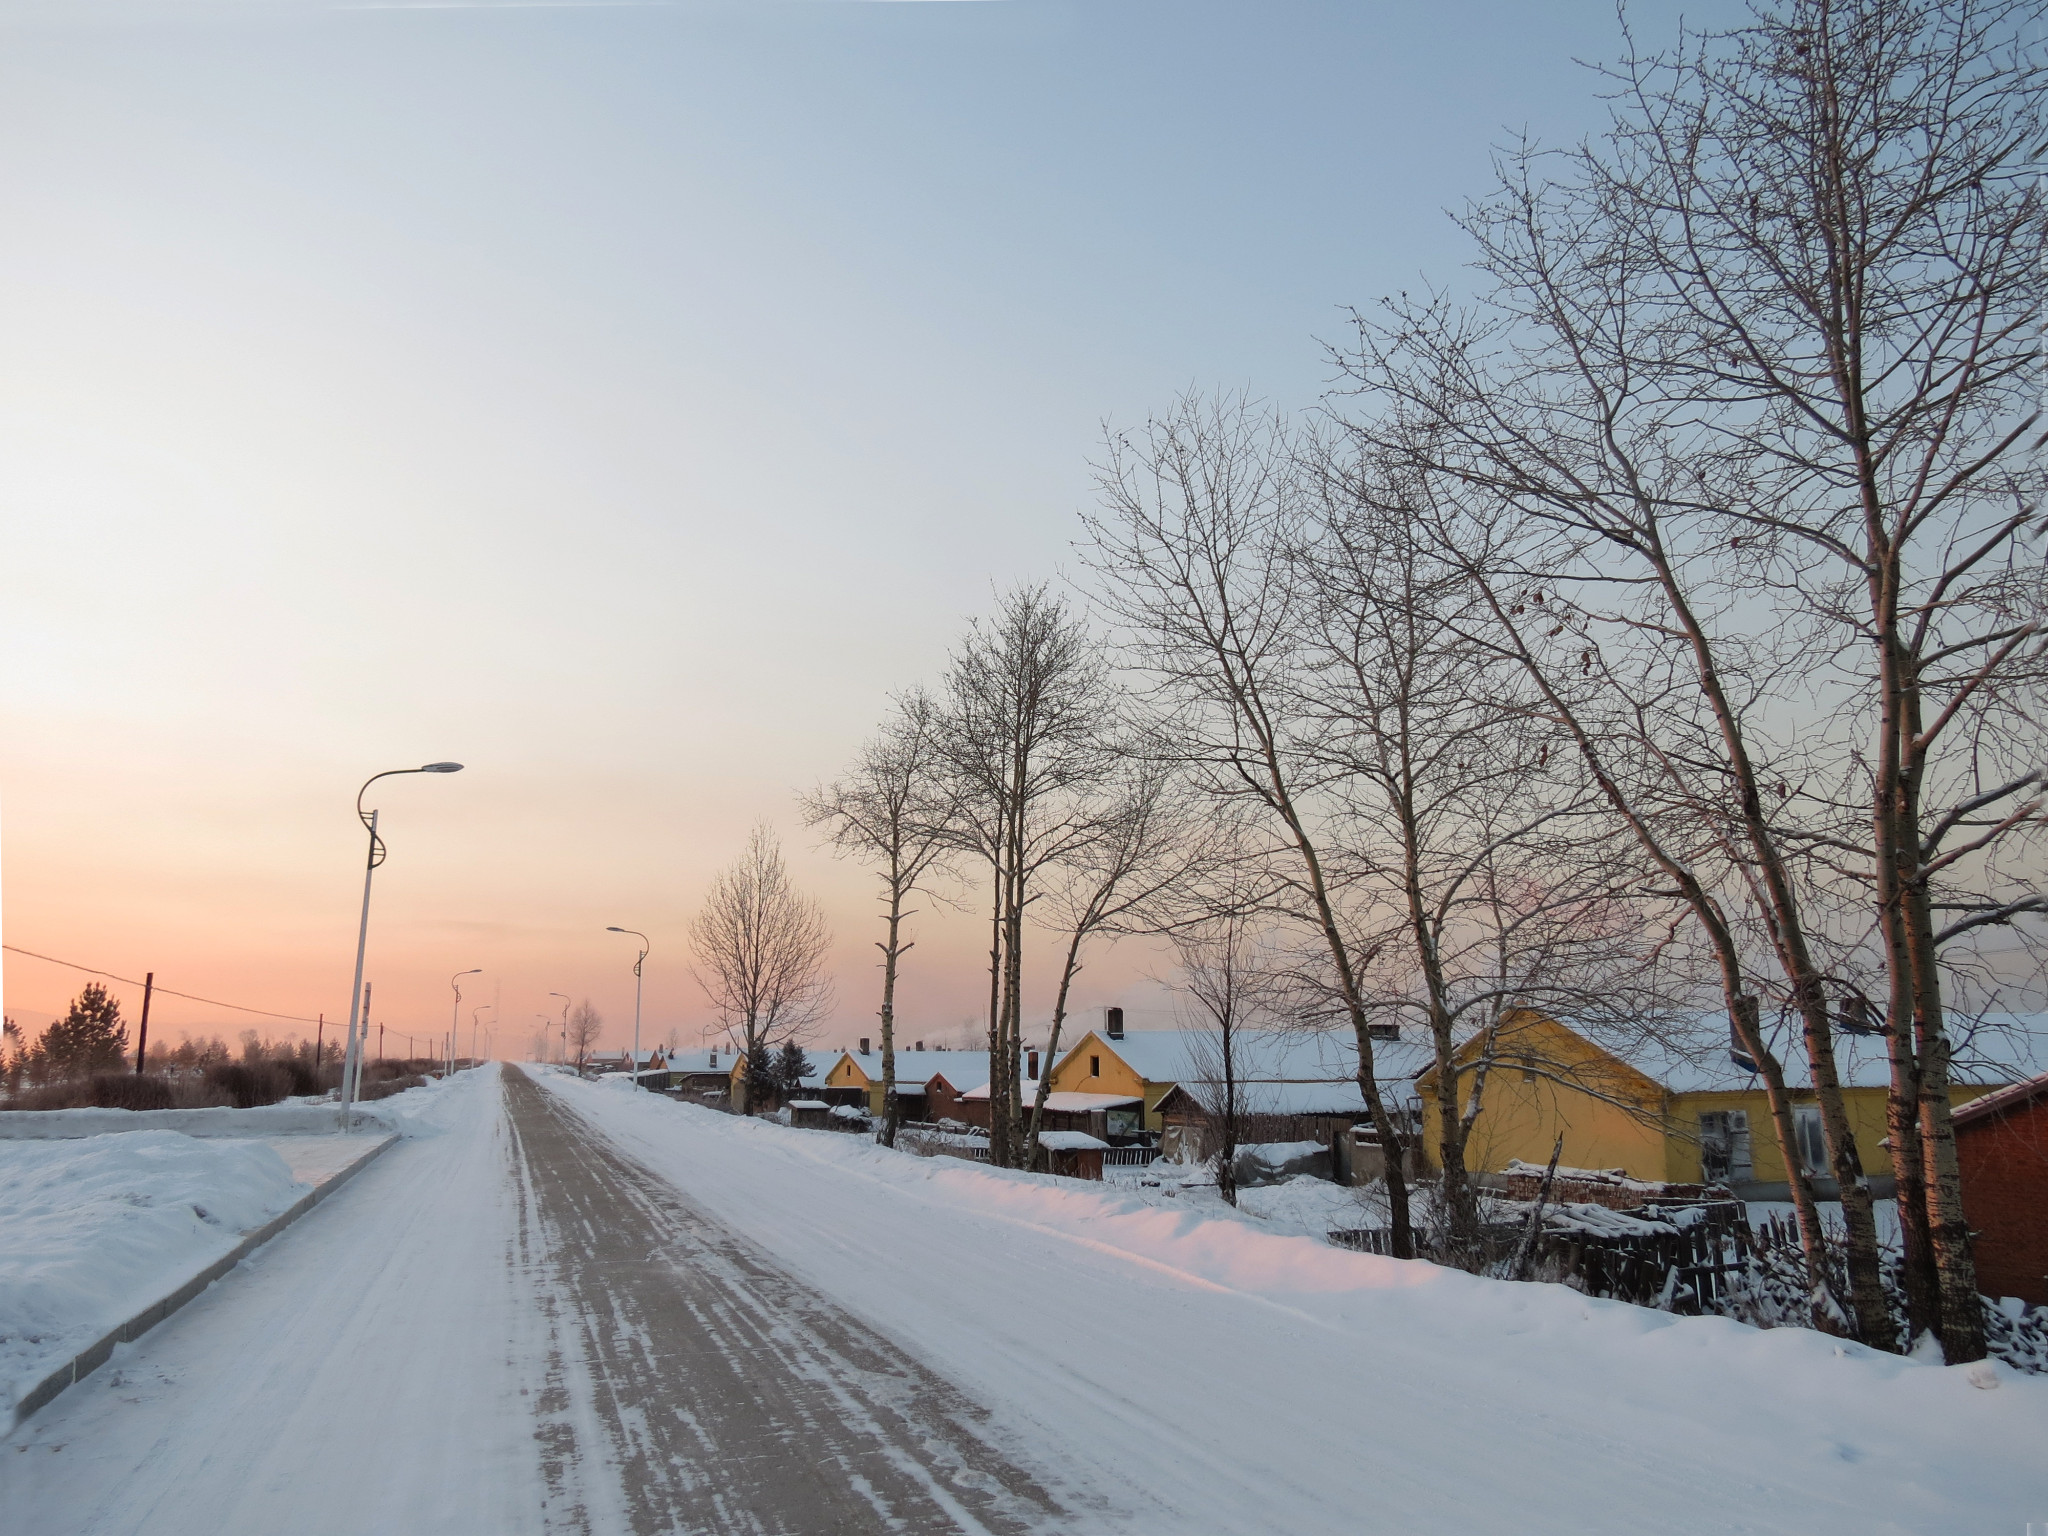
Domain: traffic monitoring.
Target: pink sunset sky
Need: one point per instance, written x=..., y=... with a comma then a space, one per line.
x=622, y=402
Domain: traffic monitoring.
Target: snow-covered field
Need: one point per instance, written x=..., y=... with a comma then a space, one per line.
x=93, y=1230
x=1210, y=1372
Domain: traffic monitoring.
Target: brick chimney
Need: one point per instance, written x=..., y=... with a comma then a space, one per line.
x=863, y=1045
x=1113, y=1023
x=1031, y=1065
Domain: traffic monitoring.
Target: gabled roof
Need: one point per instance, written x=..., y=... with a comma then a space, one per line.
x=701, y=1061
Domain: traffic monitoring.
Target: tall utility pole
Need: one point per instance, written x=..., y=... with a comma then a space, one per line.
x=142, y=1029
x=638, y=961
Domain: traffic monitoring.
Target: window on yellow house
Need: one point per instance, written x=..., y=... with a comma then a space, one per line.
x=1724, y=1147
x=1095, y=1066
x=1812, y=1139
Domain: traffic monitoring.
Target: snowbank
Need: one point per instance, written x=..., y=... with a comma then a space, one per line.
x=1218, y=1375
x=411, y=1113
x=98, y=1228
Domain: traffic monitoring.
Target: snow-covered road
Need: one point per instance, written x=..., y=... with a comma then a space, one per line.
x=691, y=1322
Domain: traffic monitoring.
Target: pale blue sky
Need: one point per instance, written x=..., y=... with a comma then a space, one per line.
x=622, y=400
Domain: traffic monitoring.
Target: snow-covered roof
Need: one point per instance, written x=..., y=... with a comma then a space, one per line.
x=1087, y=1103
x=1070, y=1141
x=808, y=1104
x=1320, y=1056
x=702, y=1061
x=1992, y=1049
x=1297, y=1098
x=963, y=1069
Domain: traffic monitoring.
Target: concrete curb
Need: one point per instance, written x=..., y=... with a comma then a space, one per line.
x=95, y=1355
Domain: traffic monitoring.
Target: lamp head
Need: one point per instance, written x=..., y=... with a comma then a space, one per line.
x=614, y=929
x=441, y=768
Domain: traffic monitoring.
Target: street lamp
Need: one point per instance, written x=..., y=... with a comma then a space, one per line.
x=565, y=1023
x=479, y=1008
x=352, y=1066
x=639, y=961
x=455, y=1018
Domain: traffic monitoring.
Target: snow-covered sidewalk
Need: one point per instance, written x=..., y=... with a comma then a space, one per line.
x=1207, y=1374
x=365, y=1372
x=99, y=1228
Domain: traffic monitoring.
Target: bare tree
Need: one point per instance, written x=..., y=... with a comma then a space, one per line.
x=1027, y=726
x=1477, y=861
x=760, y=953
x=1149, y=847
x=891, y=811
x=585, y=1027
x=1225, y=985
x=1768, y=349
x=1193, y=555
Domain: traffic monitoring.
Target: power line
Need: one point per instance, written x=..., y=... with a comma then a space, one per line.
x=162, y=991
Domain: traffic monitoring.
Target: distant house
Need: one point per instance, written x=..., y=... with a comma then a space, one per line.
x=915, y=1068
x=653, y=1065
x=700, y=1074
x=1659, y=1112
x=2002, y=1145
x=1283, y=1074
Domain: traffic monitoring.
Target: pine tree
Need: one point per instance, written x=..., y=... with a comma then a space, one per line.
x=760, y=1075
x=791, y=1067
x=90, y=1038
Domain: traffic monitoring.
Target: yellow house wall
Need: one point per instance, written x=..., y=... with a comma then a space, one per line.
x=1616, y=1125
x=846, y=1073
x=1865, y=1107
x=1521, y=1119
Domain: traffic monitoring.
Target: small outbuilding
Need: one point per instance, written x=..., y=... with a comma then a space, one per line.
x=1070, y=1154
x=810, y=1114
x=2002, y=1148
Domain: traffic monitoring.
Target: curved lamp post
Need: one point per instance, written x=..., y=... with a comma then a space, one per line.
x=565, y=1023
x=638, y=962
x=352, y=1066
x=455, y=1018
x=474, y=1059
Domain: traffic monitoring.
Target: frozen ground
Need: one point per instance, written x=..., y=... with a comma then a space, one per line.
x=624, y=1314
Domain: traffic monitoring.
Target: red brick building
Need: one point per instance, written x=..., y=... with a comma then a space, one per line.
x=2002, y=1145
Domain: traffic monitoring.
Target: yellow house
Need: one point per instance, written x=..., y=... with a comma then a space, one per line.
x=1143, y=1066
x=1662, y=1114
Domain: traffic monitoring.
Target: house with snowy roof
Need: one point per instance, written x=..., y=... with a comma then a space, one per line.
x=1305, y=1070
x=1690, y=1109
x=939, y=1077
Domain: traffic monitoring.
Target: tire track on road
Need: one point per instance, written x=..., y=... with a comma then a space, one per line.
x=733, y=1397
